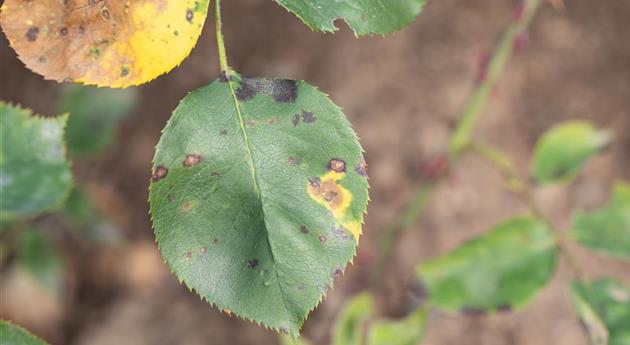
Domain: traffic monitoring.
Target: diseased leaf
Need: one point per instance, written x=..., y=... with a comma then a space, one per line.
x=94, y=112
x=604, y=308
x=499, y=270
x=563, y=150
x=105, y=43
x=40, y=259
x=352, y=320
x=407, y=331
x=607, y=229
x=363, y=16
x=11, y=334
x=34, y=174
x=258, y=194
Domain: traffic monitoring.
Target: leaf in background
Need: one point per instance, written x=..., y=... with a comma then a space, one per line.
x=607, y=229
x=86, y=220
x=363, y=16
x=257, y=196
x=40, y=259
x=604, y=308
x=563, y=150
x=11, y=334
x=94, y=113
x=499, y=270
x=34, y=174
x=105, y=43
x=288, y=340
x=352, y=320
x=407, y=331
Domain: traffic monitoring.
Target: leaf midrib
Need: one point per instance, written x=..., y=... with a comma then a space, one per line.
x=254, y=174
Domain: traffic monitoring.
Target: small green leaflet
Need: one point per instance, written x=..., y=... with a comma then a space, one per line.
x=563, y=150
x=40, y=259
x=363, y=16
x=257, y=197
x=11, y=334
x=352, y=320
x=604, y=308
x=94, y=112
x=499, y=270
x=34, y=174
x=357, y=325
x=607, y=229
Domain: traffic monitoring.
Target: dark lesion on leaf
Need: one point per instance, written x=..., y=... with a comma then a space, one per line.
x=248, y=88
x=159, y=173
x=361, y=169
x=32, y=33
x=303, y=229
x=322, y=239
x=341, y=233
x=189, y=15
x=337, y=272
x=191, y=160
x=304, y=116
x=284, y=90
x=337, y=165
x=253, y=263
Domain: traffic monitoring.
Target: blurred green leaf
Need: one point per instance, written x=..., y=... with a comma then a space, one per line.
x=86, y=221
x=11, y=334
x=39, y=258
x=499, y=270
x=34, y=173
x=289, y=340
x=407, y=331
x=363, y=16
x=604, y=308
x=351, y=322
x=563, y=150
x=608, y=228
x=94, y=113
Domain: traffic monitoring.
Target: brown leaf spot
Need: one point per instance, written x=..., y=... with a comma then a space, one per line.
x=361, y=169
x=327, y=190
x=191, y=160
x=322, y=239
x=303, y=229
x=32, y=33
x=188, y=206
x=63, y=31
x=160, y=173
x=189, y=15
x=337, y=165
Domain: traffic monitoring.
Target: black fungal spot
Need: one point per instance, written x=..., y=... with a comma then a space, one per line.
x=361, y=169
x=32, y=33
x=341, y=234
x=314, y=181
x=303, y=229
x=160, y=173
x=337, y=273
x=253, y=263
x=191, y=160
x=63, y=31
x=296, y=120
x=322, y=238
x=189, y=15
x=308, y=117
x=248, y=88
x=124, y=71
x=337, y=165
x=283, y=90
x=223, y=131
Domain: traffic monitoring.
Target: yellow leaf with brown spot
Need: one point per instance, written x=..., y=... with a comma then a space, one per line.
x=103, y=42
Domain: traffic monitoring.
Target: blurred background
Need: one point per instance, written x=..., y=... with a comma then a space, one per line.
x=403, y=94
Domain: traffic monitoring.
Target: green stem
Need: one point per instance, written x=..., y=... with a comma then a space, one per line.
x=223, y=63
x=501, y=162
x=496, y=65
x=461, y=135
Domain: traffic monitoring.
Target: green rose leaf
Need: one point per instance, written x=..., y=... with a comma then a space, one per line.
x=94, y=113
x=11, y=334
x=563, y=150
x=34, y=173
x=499, y=270
x=604, y=308
x=407, y=331
x=40, y=259
x=257, y=197
x=607, y=229
x=363, y=16
x=351, y=322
